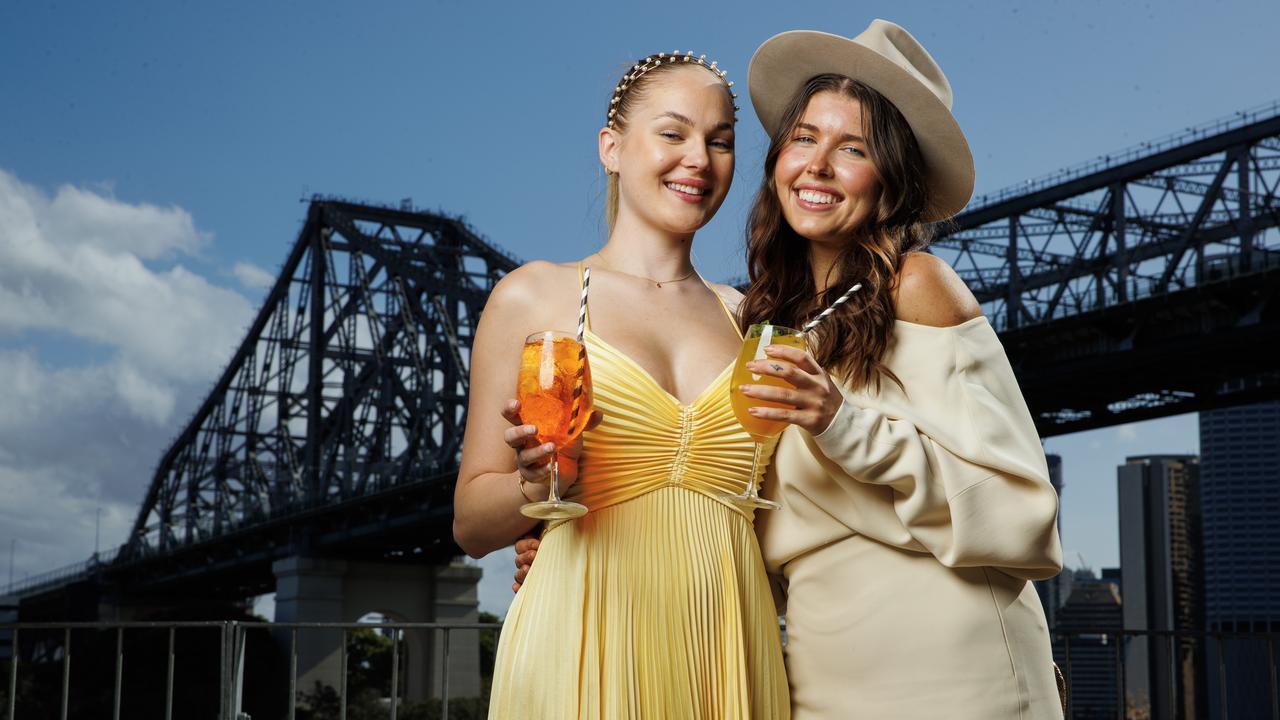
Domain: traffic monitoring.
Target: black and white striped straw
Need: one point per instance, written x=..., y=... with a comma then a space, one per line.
x=823, y=316
x=582, y=348
x=582, y=303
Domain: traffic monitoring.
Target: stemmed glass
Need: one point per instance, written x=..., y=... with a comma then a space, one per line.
x=554, y=391
x=757, y=338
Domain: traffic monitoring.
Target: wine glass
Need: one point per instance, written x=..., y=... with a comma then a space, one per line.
x=554, y=391
x=757, y=338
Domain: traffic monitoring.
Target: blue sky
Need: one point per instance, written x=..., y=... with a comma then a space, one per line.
x=191, y=130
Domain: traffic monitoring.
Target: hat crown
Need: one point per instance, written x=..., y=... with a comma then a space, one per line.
x=895, y=44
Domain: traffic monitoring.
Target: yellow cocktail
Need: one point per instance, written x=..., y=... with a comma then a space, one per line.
x=759, y=429
x=757, y=338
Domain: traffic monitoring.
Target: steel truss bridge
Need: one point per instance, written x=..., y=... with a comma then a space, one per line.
x=1135, y=287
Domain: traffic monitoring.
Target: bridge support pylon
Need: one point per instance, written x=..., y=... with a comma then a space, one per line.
x=312, y=589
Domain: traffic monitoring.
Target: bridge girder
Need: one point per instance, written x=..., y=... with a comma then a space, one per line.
x=1194, y=222
x=351, y=382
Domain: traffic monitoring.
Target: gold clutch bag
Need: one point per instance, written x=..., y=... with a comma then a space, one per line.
x=1062, y=688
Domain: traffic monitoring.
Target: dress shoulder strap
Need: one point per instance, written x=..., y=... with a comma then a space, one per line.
x=729, y=314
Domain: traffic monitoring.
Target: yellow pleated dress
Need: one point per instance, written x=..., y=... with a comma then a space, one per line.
x=656, y=603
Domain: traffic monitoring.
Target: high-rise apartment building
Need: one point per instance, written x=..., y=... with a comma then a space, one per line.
x=1053, y=592
x=1240, y=489
x=1086, y=656
x=1162, y=584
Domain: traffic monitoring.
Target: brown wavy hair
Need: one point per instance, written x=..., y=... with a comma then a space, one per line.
x=851, y=342
x=627, y=100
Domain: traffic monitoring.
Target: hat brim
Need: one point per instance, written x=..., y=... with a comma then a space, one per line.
x=784, y=63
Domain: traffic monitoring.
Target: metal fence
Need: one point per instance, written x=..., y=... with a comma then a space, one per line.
x=220, y=662
x=1181, y=665
x=36, y=649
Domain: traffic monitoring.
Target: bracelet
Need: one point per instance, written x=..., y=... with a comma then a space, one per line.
x=521, y=485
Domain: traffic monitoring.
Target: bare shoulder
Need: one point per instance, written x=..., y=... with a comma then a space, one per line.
x=534, y=289
x=526, y=281
x=929, y=292
x=730, y=295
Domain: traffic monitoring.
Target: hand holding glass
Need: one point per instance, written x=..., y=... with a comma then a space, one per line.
x=554, y=391
x=757, y=338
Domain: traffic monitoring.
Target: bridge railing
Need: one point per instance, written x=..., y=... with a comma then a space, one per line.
x=104, y=669
x=1102, y=162
x=61, y=575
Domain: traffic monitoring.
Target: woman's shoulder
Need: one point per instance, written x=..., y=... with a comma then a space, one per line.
x=532, y=280
x=537, y=287
x=729, y=294
x=929, y=292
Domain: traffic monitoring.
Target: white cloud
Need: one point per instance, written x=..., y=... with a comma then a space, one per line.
x=1127, y=433
x=83, y=270
x=60, y=274
x=53, y=518
x=252, y=277
x=30, y=391
x=75, y=217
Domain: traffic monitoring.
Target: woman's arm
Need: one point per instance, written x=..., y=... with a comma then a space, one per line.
x=488, y=495
x=973, y=488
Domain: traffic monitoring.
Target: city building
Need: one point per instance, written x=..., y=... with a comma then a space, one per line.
x=1083, y=650
x=1054, y=591
x=1240, y=491
x=1162, y=585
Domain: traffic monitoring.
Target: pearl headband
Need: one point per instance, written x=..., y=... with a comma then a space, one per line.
x=638, y=70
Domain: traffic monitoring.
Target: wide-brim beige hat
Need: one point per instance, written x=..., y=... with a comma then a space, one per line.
x=888, y=59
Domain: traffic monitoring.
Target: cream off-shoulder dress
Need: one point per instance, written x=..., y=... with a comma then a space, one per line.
x=909, y=534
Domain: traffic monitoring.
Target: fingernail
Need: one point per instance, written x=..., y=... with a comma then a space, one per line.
x=754, y=411
x=743, y=388
x=548, y=447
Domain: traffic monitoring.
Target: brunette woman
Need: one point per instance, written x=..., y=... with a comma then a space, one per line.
x=916, y=501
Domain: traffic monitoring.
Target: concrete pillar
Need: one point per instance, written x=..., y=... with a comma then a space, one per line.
x=8, y=614
x=310, y=590
x=319, y=590
x=457, y=600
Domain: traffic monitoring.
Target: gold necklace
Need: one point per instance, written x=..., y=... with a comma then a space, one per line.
x=657, y=283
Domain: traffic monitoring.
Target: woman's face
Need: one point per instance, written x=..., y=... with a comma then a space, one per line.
x=825, y=180
x=675, y=159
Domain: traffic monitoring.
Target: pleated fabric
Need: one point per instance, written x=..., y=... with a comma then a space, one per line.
x=656, y=603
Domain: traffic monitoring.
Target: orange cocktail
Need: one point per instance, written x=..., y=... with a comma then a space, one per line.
x=548, y=377
x=554, y=391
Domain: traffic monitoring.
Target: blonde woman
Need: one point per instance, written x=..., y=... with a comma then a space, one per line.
x=655, y=604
